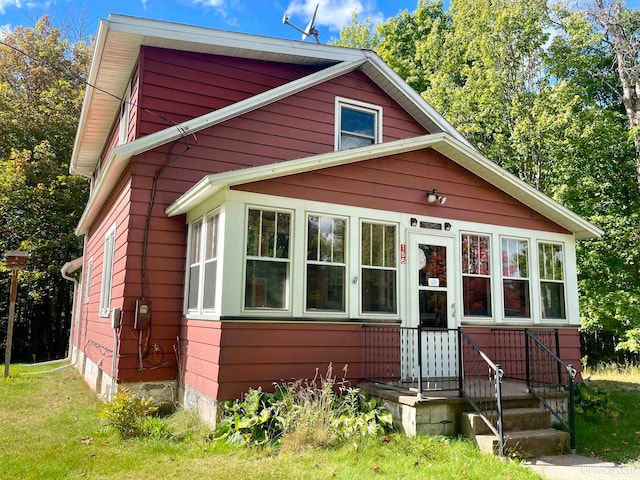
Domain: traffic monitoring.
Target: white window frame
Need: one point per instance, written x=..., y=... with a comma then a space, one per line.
x=491, y=276
x=376, y=110
x=87, y=280
x=504, y=277
x=540, y=279
x=361, y=223
x=107, y=271
x=124, y=116
x=201, y=261
x=288, y=261
x=345, y=265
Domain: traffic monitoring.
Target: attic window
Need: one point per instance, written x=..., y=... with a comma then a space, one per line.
x=358, y=124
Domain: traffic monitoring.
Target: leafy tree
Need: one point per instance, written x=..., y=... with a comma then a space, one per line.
x=41, y=92
x=357, y=35
x=538, y=91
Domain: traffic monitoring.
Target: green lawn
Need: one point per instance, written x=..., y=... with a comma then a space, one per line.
x=613, y=438
x=49, y=428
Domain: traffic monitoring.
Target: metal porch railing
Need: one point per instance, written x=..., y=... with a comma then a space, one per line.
x=481, y=385
x=413, y=357
x=549, y=379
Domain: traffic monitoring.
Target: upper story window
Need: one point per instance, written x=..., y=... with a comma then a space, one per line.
x=551, y=266
x=268, y=259
x=107, y=271
x=203, y=263
x=476, y=275
x=326, y=263
x=515, y=277
x=357, y=124
x=125, y=106
x=378, y=246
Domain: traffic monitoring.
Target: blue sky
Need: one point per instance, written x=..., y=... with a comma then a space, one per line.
x=262, y=17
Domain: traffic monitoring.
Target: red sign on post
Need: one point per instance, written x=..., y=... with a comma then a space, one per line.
x=403, y=253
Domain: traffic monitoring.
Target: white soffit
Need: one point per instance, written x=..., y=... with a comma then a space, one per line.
x=452, y=148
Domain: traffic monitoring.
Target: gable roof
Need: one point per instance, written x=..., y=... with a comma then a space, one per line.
x=116, y=53
x=447, y=145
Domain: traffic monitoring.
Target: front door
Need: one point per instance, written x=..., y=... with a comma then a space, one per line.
x=431, y=290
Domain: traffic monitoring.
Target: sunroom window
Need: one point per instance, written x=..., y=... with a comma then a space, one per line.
x=378, y=268
x=203, y=263
x=326, y=263
x=476, y=275
x=268, y=259
x=551, y=266
x=357, y=124
x=515, y=277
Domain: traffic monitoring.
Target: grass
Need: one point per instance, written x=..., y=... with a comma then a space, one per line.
x=613, y=438
x=49, y=428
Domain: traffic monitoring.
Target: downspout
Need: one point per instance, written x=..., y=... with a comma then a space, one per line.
x=65, y=271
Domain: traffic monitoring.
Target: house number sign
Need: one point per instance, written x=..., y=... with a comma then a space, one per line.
x=403, y=253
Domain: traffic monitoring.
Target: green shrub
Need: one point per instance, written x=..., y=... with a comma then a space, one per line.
x=592, y=400
x=302, y=414
x=129, y=414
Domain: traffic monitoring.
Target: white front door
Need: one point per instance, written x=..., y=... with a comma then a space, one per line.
x=431, y=305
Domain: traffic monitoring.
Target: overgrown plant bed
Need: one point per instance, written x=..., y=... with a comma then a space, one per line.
x=50, y=428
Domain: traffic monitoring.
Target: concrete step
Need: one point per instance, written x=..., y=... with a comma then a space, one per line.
x=513, y=419
x=527, y=443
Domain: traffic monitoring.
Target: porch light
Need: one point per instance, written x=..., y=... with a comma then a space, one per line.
x=432, y=196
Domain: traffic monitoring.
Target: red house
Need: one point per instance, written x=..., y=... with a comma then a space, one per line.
x=261, y=207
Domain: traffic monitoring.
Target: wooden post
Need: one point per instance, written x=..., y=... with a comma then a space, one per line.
x=16, y=260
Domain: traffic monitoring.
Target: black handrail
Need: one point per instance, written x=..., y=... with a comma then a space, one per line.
x=473, y=367
x=539, y=379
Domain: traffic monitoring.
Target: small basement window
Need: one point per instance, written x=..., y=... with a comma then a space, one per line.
x=358, y=124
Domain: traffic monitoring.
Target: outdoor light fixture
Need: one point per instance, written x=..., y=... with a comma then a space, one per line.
x=432, y=196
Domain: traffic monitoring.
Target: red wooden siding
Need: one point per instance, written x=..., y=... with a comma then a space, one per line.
x=399, y=183
x=200, y=356
x=96, y=339
x=259, y=354
x=180, y=86
x=224, y=359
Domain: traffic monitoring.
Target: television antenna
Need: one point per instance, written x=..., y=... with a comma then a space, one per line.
x=310, y=31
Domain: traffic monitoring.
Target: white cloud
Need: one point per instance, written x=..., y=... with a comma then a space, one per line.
x=221, y=7
x=9, y=3
x=144, y=4
x=207, y=3
x=333, y=14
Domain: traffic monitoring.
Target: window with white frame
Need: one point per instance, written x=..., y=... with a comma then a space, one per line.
x=476, y=275
x=87, y=280
x=552, y=289
x=267, y=259
x=378, y=268
x=357, y=124
x=326, y=263
x=515, y=278
x=203, y=263
x=107, y=271
x=123, y=127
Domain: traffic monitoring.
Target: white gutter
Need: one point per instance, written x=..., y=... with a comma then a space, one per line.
x=120, y=156
x=460, y=152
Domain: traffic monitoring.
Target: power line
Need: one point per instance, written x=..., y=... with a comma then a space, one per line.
x=77, y=77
